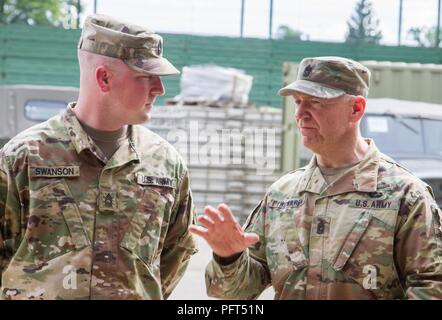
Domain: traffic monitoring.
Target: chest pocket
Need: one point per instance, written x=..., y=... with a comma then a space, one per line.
x=148, y=226
x=285, y=255
x=366, y=255
x=54, y=224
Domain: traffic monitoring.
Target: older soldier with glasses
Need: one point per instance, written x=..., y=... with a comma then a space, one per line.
x=352, y=224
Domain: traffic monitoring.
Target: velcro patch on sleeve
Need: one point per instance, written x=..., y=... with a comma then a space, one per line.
x=55, y=172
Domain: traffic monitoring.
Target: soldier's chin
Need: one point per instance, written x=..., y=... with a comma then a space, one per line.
x=148, y=111
x=140, y=119
x=146, y=117
x=309, y=143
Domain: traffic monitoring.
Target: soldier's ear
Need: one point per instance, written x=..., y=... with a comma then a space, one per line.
x=102, y=75
x=358, y=106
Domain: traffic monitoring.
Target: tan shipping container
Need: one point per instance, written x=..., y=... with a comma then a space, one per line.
x=405, y=81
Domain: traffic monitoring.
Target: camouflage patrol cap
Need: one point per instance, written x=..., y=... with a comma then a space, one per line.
x=329, y=77
x=140, y=48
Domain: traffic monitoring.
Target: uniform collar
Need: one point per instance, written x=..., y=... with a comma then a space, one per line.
x=81, y=141
x=362, y=177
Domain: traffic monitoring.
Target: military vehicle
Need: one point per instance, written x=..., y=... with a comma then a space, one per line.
x=22, y=106
x=411, y=133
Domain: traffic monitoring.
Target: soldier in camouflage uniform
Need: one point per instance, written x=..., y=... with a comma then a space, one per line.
x=84, y=218
x=352, y=224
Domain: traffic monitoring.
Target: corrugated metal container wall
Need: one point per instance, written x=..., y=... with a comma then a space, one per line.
x=406, y=81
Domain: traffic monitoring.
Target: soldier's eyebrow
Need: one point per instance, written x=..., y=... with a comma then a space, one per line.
x=320, y=100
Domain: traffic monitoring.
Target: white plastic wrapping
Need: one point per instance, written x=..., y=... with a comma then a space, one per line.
x=215, y=86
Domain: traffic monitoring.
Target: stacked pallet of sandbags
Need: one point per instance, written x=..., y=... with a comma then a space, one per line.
x=233, y=155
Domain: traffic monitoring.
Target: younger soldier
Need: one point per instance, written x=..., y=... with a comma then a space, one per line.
x=352, y=224
x=93, y=206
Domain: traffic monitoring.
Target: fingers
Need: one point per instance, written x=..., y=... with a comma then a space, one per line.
x=251, y=238
x=213, y=214
x=205, y=221
x=222, y=232
x=226, y=213
x=199, y=231
x=208, y=221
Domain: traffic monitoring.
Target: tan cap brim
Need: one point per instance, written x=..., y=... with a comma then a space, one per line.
x=153, y=66
x=312, y=89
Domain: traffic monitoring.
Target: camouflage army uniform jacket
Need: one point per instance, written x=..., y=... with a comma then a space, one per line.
x=75, y=226
x=373, y=234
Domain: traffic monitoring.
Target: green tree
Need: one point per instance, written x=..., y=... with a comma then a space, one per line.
x=363, y=25
x=287, y=33
x=425, y=37
x=40, y=12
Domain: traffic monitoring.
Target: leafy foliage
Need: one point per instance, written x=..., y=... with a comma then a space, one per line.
x=287, y=33
x=363, y=25
x=425, y=37
x=40, y=12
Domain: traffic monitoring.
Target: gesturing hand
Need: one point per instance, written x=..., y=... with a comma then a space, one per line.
x=222, y=232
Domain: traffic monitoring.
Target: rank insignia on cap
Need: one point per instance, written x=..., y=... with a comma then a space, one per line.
x=307, y=71
x=160, y=48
